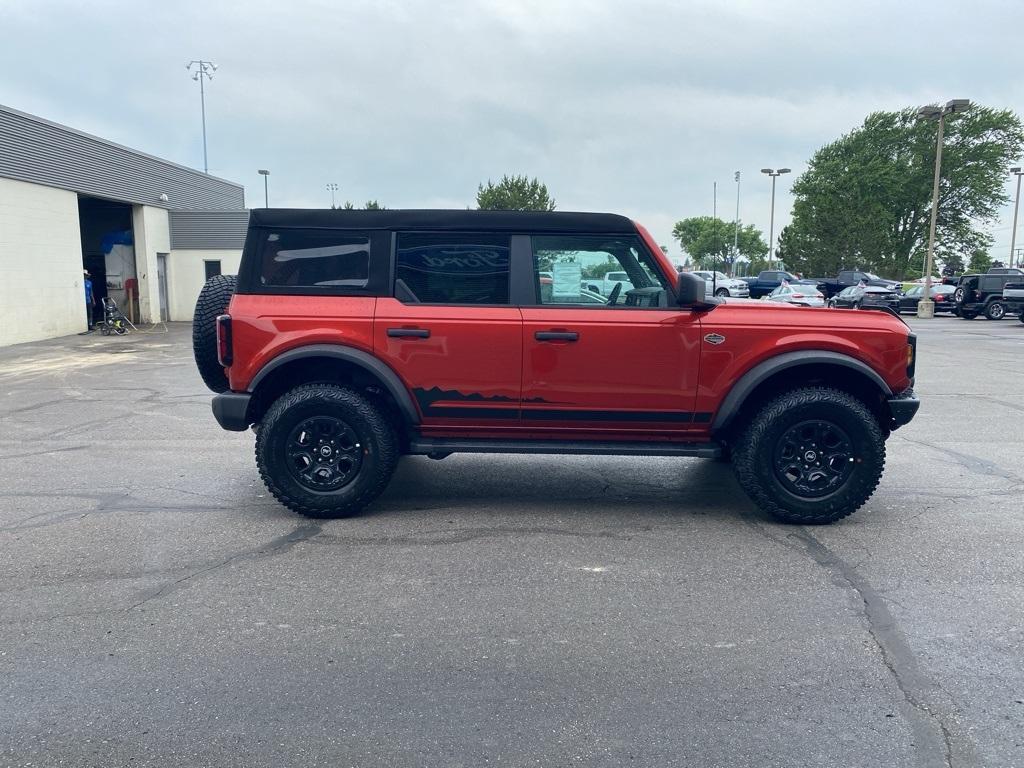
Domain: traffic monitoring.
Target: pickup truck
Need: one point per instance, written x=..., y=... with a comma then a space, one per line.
x=767, y=281
x=851, y=277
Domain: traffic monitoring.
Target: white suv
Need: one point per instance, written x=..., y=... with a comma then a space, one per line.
x=723, y=285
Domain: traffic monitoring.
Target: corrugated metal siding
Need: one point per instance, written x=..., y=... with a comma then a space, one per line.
x=208, y=229
x=41, y=152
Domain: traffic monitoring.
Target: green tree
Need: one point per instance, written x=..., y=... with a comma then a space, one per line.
x=709, y=241
x=953, y=264
x=980, y=261
x=514, y=193
x=371, y=205
x=865, y=199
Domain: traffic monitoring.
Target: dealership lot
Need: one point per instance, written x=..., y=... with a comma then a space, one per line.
x=158, y=607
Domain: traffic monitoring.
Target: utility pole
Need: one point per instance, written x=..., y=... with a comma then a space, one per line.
x=926, y=307
x=203, y=69
x=771, y=227
x=714, y=242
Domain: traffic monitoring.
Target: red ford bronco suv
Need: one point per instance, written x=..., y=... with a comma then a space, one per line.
x=350, y=338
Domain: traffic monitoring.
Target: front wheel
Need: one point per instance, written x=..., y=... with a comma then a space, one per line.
x=722, y=292
x=811, y=456
x=995, y=311
x=325, y=451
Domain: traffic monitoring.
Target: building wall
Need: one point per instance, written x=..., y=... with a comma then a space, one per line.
x=41, y=290
x=186, y=274
x=152, y=236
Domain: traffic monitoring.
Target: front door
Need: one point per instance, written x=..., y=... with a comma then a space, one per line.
x=616, y=363
x=451, y=333
x=161, y=276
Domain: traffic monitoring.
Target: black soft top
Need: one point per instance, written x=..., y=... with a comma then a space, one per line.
x=426, y=219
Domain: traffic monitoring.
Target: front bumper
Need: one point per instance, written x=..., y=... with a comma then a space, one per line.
x=903, y=407
x=231, y=409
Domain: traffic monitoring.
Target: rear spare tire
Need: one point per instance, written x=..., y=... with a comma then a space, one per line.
x=811, y=456
x=213, y=301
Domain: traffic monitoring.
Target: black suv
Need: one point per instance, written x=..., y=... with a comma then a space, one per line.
x=983, y=294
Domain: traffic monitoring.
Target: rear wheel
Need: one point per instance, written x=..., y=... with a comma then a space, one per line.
x=325, y=451
x=965, y=315
x=811, y=456
x=995, y=311
x=213, y=301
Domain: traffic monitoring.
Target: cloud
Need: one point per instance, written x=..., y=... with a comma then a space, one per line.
x=631, y=107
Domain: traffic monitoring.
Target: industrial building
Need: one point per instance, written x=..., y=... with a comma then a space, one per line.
x=148, y=231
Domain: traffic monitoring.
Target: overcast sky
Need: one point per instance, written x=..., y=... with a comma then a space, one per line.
x=631, y=107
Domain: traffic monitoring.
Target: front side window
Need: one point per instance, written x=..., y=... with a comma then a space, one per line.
x=454, y=268
x=593, y=271
x=295, y=259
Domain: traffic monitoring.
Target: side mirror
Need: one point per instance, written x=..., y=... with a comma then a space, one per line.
x=692, y=290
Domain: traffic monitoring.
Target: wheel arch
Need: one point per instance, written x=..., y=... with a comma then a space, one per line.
x=792, y=370
x=330, y=362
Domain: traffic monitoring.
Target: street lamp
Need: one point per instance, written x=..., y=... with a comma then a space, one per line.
x=926, y=307
x=266, y=194
x=1016, y=202
x=203, y=69
x=332, y=187
x=736, y=230
x=771, y=227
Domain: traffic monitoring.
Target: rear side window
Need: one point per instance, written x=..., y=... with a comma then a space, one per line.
x=453, y=268
x=327, y=259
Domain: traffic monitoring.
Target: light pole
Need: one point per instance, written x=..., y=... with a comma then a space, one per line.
x=1016, y=203
x=736, y=231
x=203, y=69
x=926, y=307
x=332, y=187
x=266, y=193
x=771, y=227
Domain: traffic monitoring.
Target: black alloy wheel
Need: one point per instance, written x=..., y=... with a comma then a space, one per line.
x=324, y=453
x=813, y=458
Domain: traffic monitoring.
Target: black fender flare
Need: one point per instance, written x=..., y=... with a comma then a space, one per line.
x=750, y=380
x=383, y=372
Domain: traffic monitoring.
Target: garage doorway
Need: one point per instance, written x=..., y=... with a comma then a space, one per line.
x=108, y=250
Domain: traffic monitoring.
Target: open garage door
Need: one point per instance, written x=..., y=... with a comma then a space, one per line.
x=108, y=251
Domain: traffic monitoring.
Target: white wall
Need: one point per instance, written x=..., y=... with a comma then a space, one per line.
x=41, y=289
x=186, y=274
x=152, y=236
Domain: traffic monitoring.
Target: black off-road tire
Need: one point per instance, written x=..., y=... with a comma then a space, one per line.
x=965, y=315
x=754, y=455
x=995, y=310
x=213, y=301
x=377, y=441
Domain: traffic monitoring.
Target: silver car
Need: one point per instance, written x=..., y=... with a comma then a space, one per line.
x=800, y=295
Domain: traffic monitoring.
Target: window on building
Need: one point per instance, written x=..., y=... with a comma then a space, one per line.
x=452, y=268
x=212, y=268
x=315, y=258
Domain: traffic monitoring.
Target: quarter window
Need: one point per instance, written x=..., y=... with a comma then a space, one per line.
x=452, y=268
x=313, y=258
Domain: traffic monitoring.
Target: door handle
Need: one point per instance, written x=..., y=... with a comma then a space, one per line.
x=556, y=336
x=410, y=333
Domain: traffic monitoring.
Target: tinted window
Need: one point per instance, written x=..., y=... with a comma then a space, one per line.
x=314, y=258
x=619, y=267
x=453, y=268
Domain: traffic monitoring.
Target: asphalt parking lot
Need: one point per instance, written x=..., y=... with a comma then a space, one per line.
x=157, y=607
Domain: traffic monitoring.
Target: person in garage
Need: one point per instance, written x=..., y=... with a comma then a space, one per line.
x=90, y=300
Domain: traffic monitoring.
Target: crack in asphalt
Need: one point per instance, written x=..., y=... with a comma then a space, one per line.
x=971, y=463
x=462, y=535
x=937, y=734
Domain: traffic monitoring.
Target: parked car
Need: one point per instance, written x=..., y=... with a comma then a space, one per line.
x=799, y=295
x=858, y=296
x=942, y=295
x=767, y=281
x=982, y=294
x=721, y=284
x=351, y=338
x=849, y=278
x=611, y=279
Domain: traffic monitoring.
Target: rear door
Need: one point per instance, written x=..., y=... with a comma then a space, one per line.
x=450, y=332
x=627, y=365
